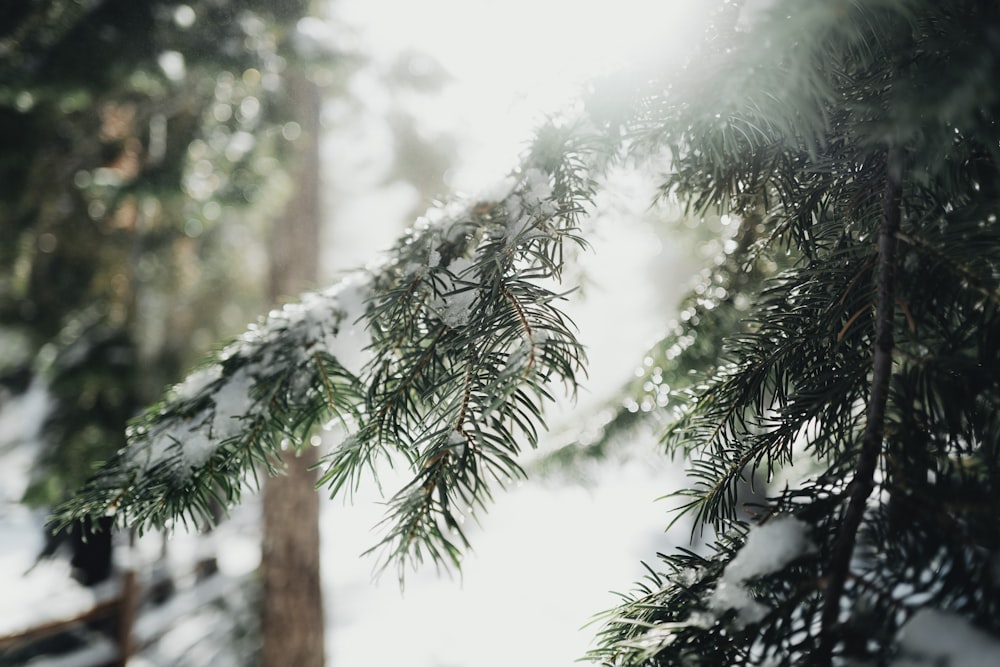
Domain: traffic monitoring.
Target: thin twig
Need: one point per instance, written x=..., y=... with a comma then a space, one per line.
x=852, y=319
x=466, y=391
x=327, y=387
x=857, y=276
x=524, y=322
x=871, y=443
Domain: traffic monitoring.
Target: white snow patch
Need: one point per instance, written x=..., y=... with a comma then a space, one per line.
x=158, y=622
x=769, y=548
x=537, y=191
x=458, y=442
x=329, y=321
x=455, y=308
x=166, y=440
x=933, y=637
x=238, y=555
x=197, y=382
x=194, y=440
x=497, y=191
x=462, y=267
x=349, y=345
x=440, y=216
x=529, y=205
x=22, y=416
x=21, y=420
x=454, y=305
x=44, y=592
x=232, y=401
x=733, y=595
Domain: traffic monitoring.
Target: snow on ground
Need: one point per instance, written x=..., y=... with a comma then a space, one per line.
x=932, y=637
x=21, y=540
x=544, y=562
x=34, y=595
x=545, y=559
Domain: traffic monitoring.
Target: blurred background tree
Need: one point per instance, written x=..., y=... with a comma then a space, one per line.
x=143, y=146
x=153, y=152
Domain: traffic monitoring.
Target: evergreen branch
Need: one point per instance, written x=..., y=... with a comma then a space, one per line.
x=778, y=389
x=871, y=443
x=978, y=282
x=444, y=340
x=821, y=347
x=852, y=319
x=463, y=349
x=488, y=372
x=529, y=335
x=693, y=346
x=466, y=397
x=401, y=386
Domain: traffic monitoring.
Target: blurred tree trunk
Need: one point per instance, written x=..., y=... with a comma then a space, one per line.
x=292, y=617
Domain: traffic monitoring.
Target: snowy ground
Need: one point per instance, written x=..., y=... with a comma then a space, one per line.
x=544, y=561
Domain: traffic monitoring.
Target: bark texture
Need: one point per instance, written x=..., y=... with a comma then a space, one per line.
x=871, y=443
x=292, y=615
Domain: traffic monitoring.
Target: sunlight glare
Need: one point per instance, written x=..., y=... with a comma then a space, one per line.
x=515, y=61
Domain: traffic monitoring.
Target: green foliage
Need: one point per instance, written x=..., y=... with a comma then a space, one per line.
x=464, y=337
x=817, y=113
x=852, y=324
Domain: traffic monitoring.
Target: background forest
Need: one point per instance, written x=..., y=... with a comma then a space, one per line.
x=828, y=383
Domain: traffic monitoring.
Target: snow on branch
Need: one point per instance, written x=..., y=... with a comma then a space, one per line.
x=441, y=353
x=260, y=393
x=769, y=548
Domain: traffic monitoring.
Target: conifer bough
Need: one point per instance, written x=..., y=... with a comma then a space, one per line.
x=868, y=355
x=441, y=354
x=853, y=329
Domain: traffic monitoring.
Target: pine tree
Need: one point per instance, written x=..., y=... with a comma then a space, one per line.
x=862, y=133
x=852, y=329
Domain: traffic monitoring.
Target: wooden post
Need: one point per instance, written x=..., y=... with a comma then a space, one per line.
x=126, y=616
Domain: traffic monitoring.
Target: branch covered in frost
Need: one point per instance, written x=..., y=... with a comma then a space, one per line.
x=442, y=354
x=264, y=390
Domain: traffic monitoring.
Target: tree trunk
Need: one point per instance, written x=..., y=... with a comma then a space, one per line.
x=292, y=615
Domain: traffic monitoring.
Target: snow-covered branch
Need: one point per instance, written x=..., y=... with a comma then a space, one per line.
x=440, y=353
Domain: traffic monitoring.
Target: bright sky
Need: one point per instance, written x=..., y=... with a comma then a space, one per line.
x=514, y=60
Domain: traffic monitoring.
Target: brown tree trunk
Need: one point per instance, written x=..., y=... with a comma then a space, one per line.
x=292, y=615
